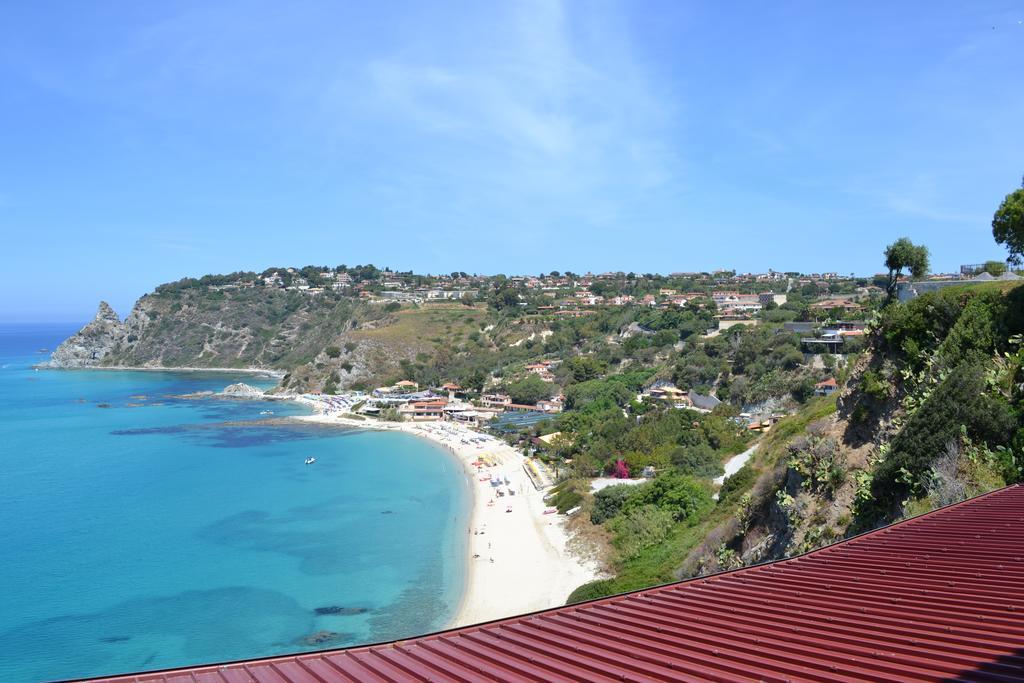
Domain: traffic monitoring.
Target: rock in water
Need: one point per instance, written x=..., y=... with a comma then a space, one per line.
x=324, y=638
x=345, y=611
x=92, y=343
x=242, y=390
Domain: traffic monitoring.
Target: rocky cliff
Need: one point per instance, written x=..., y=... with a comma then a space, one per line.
x=93, y=343
x=323, y=342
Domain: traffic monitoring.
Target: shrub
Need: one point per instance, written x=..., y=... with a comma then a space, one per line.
x=565, y=496
x=391, y=415
x=803, y=389
x=872, y=385
x=640, y=528
x=684, y=497
x=699, y=461
x=332, y=351
x=734, y=486
x=592, y=591
x=608, y=501
x=958, y=402
x=819, y=463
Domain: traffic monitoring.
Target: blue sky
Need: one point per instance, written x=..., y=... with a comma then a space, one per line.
x=143, y=142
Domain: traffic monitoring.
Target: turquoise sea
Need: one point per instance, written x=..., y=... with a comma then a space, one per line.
x=141, y=531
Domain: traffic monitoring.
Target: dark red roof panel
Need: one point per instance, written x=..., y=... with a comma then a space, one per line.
x=935, y=598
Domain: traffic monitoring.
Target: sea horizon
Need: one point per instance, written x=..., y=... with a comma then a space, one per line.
x=184, y=539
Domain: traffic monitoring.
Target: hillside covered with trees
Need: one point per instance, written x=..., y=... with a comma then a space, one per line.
x=847, y=424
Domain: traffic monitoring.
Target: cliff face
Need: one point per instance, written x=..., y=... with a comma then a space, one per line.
x=323, y=342
x=93, y=343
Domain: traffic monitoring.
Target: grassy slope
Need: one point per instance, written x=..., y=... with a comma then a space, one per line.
x=427, y=327
x=661, y=563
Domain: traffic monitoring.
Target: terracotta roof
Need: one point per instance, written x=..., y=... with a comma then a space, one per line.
x=938, y=597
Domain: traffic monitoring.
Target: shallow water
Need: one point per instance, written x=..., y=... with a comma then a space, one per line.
x=138, y=531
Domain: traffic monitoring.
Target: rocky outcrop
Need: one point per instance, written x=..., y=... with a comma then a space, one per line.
x=92, y=343
x=242, y=390
x=322, y=343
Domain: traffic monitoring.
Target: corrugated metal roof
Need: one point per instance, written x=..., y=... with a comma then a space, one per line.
x=935, y=598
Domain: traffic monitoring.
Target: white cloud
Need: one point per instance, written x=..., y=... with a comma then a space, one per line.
x=919, y=196
x=536, y=107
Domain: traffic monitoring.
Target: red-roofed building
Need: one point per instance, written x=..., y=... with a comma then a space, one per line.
x=826, y=387
x=936, y=598
x=424, y=410
x=453, y=390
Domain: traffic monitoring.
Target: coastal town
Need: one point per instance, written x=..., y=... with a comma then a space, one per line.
x=524, y=342
x=615, y=430
x=735, y=298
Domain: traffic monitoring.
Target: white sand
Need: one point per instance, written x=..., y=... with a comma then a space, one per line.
x=518, y=561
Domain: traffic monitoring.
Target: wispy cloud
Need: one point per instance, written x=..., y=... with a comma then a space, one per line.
x=539, y=108
x=919, y=197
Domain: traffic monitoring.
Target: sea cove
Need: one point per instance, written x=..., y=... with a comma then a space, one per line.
x=181, y=538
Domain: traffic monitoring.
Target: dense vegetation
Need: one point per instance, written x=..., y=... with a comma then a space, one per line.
x=929, y=409
x=246, y=327
x=952, y=360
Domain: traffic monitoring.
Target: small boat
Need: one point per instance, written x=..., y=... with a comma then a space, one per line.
x=266, y=412
x=310, y=461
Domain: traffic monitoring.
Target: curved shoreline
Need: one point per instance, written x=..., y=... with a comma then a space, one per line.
x=516, y=562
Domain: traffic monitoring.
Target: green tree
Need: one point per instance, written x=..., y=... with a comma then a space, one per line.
x=959, y=402
x=583, y=368
x=699, y=460
x=684, y=497
x=995, y=268
x=529, y=390
x=904, y=254
x=608, y=501
x=1008, y=224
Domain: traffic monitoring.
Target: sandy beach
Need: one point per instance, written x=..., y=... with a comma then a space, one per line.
x=518, y=560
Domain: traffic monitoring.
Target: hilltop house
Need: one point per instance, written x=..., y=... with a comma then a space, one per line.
x=826, y=387
x=846, y=305
x=772, y=298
